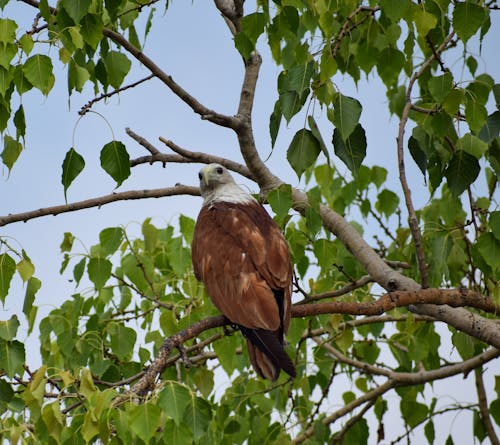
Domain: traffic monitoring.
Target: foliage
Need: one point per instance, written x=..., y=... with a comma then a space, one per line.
x=99, y=344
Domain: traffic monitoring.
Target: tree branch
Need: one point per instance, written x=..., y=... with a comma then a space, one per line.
x=194, y=104
x=100, y=201
x=385, y=303
x=451, y=297
x=412, y=217
x=204, y=158
x=483, y=407
x=89, y=104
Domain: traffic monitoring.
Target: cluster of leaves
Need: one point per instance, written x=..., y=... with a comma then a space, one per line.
x=76, y=28
x=385, y=36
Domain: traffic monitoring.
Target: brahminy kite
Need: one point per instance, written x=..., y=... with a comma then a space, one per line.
x=242, y=258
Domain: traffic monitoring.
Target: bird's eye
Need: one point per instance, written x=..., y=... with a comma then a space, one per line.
x=200, y=176
x=219, y=170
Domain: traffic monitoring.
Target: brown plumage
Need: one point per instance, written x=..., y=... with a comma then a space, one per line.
x=241, y=256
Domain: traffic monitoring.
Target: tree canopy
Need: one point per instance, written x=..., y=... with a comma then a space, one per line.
x=395, y=282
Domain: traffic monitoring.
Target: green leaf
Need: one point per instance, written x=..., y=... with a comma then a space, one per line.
x=467, y=19
x=91, y=27
x=475, y=115
x=472, y=145
x=387, y=202
x=353, y=150
x=280, y=200
x=186, y=225
x=67, y=242
x=492, y=127
x=357, y=433
x=462, y=171
x=72, y=166
x=390, y=64
x=144, y=420
x=418, y=154
x=464, y=344
x=33, y=286
x=8, y=329
x=489, y=247
x=316, y=133
x=76, y=9
x=297, y=78
x=99, y=270
x=12, y=357
x=173, y=400
x=252, y=26
x=78, y=270
x=424, y=21
x=11, y=151
x=197, y=416
x=38, y=70
x=110, y=239
x=346, y=115
x=495, y=224
x=440, y=86
x=123, y=341
x=396, y=9
x=77, y=77
x=429, y=432
x=25, y=268
x=7, y=30
x=20, y=122
x=303, y=151
x=495, y=410
x=274, y=122
x=116, y=161
x=5, y=80
x=7, y=269
x=6, y=392
x=413, y=412
x=117, y=67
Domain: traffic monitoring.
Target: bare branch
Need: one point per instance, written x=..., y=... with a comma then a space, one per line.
x=100, y=201
x=483, y=407
x=339, y=292
x=412, y=217
x=204, y=158
x=89, y=104
x=194, y=104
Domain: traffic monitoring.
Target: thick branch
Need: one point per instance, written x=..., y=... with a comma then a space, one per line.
x=99, y=201
x=385, y=303
x=451, y=297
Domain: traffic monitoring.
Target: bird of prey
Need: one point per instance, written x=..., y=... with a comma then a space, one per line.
x=242, y=258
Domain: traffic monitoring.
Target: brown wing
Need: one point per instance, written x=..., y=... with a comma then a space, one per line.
x=242, y=258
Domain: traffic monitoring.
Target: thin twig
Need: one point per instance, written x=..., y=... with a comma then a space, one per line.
x=483, y=408
x=204, y=158
x=412, y=217
x=89, y=104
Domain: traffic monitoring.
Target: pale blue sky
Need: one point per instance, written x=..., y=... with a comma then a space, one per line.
x=192, y=43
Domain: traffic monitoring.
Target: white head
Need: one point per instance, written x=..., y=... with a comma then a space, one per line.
x=217, y=184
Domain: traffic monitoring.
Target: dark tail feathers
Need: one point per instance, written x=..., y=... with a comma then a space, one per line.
x=267, y=353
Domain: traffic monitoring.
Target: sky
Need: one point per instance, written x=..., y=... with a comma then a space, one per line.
x=191, y=43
